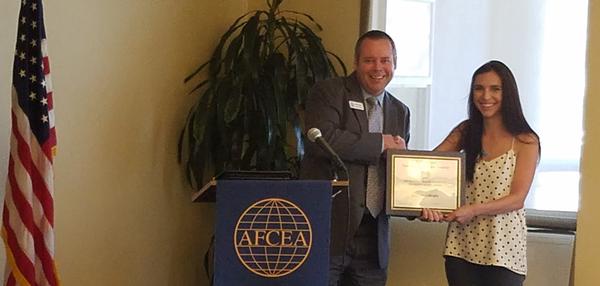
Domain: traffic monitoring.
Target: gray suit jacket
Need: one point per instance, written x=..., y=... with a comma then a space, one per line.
x=347, y=131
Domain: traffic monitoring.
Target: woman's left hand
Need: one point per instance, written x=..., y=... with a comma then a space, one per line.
x=431, y=215
x=462, y=215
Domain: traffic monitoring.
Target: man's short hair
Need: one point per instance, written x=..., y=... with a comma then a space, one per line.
x=374, y=35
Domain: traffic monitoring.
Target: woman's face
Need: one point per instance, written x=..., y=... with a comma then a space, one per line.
x=487, y=94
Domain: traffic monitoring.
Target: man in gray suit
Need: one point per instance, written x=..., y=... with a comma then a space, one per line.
x=360, y=120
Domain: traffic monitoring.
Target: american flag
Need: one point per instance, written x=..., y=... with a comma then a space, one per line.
x=28, y=214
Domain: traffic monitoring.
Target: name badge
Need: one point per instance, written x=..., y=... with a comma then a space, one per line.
x=356, y=105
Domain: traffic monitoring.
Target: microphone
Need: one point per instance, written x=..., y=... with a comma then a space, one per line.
x=314, y=135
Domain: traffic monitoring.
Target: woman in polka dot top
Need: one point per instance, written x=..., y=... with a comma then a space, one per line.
x=486, y=238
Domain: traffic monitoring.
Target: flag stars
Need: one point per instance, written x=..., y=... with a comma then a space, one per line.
x=24, y=2
x=22, y=38
x=45, y=118
x=22, y=73
x=22, y=56
x=43, y=83
x=33, y=24
x=32, y=96
x=33, y=60
x=44, y=101
x=33, y=6
x=23, y=20
x=33, y=43
x=32, y=78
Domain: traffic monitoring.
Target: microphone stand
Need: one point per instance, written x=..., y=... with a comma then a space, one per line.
x=337, y=165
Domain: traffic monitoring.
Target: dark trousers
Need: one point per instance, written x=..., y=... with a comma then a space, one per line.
x=460, y=272
x=360, y=264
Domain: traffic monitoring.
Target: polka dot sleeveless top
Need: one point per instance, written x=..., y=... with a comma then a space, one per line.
x=498, y=240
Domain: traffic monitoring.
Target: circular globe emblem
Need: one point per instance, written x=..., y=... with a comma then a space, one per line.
x=273, y=237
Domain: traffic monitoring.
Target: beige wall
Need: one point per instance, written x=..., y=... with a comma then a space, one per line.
x=123, y=211
x=587, y=254
x=340, y=22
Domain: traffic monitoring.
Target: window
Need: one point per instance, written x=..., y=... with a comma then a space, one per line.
x=543, y=44
x=410, y=27
x=562, y=87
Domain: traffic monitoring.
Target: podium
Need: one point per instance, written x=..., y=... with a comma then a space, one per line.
x=273, y=231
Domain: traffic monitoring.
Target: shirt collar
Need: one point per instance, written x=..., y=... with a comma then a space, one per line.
x=379, y=97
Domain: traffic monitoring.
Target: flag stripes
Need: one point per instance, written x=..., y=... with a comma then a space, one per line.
x=28, y=209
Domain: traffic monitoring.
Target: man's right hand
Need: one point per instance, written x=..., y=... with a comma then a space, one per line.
x=393, y=142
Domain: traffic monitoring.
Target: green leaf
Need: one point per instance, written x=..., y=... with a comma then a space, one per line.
x=199, y=85
x=233, y=105
x=201, y=67
x=215, y=61
x=250, y=53
x=199, y=117
x=339, y=62
x=312, y=20
x=232, y=54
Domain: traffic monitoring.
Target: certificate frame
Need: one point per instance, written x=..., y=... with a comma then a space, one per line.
x=424, y=179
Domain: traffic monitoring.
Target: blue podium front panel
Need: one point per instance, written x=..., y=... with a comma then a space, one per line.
x=272, y=232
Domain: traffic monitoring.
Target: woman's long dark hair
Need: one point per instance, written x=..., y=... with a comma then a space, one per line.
x=512, y=114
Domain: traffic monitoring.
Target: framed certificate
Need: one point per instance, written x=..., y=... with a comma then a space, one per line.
x=424, y=179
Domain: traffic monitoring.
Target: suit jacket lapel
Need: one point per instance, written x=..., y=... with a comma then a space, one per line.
x=356, y=95
x=390, y=116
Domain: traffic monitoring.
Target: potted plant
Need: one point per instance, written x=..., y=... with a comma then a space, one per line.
x=251, y=92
